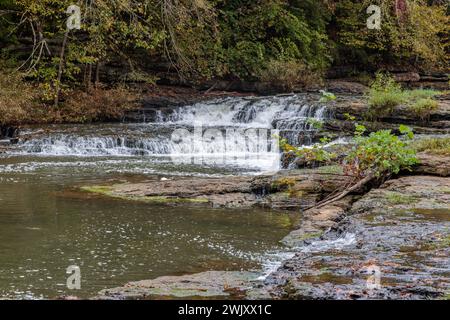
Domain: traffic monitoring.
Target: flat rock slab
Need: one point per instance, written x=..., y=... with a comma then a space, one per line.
x=288, y=190
x=401, y=230
x=210, y=284
x=433, y=164
x=187, y=187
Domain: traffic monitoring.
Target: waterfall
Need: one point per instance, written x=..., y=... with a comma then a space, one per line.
x=222, y=128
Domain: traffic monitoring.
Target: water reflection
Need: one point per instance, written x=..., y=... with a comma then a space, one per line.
x=47, y=224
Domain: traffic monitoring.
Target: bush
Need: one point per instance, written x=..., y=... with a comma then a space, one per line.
x=417, y=94
x=385, y=94
x=96, y=105
x=17, y=98
x=381, y=153
x=423, y=107
x=315, y=154
x=20, y=102
x=288, y=74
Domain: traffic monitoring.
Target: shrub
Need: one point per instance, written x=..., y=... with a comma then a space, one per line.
x=381, y=153
x=96, y=105
x=288, y=74
x=310, y=154
x=384, y=95
x=417, y=94
x=314, y=123
x=17, y=98
x=20, y=102
x=327, y=96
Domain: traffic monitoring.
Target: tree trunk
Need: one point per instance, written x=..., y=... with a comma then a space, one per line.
x=89, y=78
x=97, y=75
x=341, y=195
x=61, y=68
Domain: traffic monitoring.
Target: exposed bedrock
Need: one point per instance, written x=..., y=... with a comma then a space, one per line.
x=399, y=231
x=294, y=189
x=438, y=120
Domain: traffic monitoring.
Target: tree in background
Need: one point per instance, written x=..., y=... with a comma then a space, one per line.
x=280, y=41
x=412, y=33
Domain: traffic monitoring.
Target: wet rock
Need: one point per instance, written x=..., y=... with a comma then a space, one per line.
x=210, y=284
x=399, y=231
x=315, y=222
x=293, y=190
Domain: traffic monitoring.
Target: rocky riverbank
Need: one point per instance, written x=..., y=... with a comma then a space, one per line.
x=400, y=229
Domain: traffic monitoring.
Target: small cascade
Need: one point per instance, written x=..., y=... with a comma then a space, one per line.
x=230, y=127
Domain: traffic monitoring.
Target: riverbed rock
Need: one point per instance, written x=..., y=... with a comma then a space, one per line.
x=210, y=284
x=347, y=87
x=437, y=122
x=316, y=221
x=433, y=164
x=287, y=190
x=406, y=77
x=392, y=244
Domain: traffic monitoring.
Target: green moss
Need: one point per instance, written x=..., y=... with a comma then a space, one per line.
x=445, y=190
x=399, y=198
x=331, y=169
x=308, y=236
x=421, y=94
x=106, y=190
x=283, y=183
x=109, y=191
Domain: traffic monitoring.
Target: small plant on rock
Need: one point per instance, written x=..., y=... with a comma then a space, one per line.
x=423, y=107
x=381, y=153
x=316, y=153
x=326, y=96
x=384, y=95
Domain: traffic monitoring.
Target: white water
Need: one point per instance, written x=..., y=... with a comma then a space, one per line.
x=232, y=131
x=273, y=261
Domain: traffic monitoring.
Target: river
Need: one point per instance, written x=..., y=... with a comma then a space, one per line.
x=47, y=223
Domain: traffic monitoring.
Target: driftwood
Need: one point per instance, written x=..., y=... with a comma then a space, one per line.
x=332, y=198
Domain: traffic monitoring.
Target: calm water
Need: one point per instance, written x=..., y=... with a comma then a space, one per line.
x=48, y=224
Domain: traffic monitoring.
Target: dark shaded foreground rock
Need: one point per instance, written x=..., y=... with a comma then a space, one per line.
x=401, y=230
x=205, y=285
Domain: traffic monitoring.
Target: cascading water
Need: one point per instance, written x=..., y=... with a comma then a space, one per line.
x=226, y=131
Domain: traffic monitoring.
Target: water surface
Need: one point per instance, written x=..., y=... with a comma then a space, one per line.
x=48, y=224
